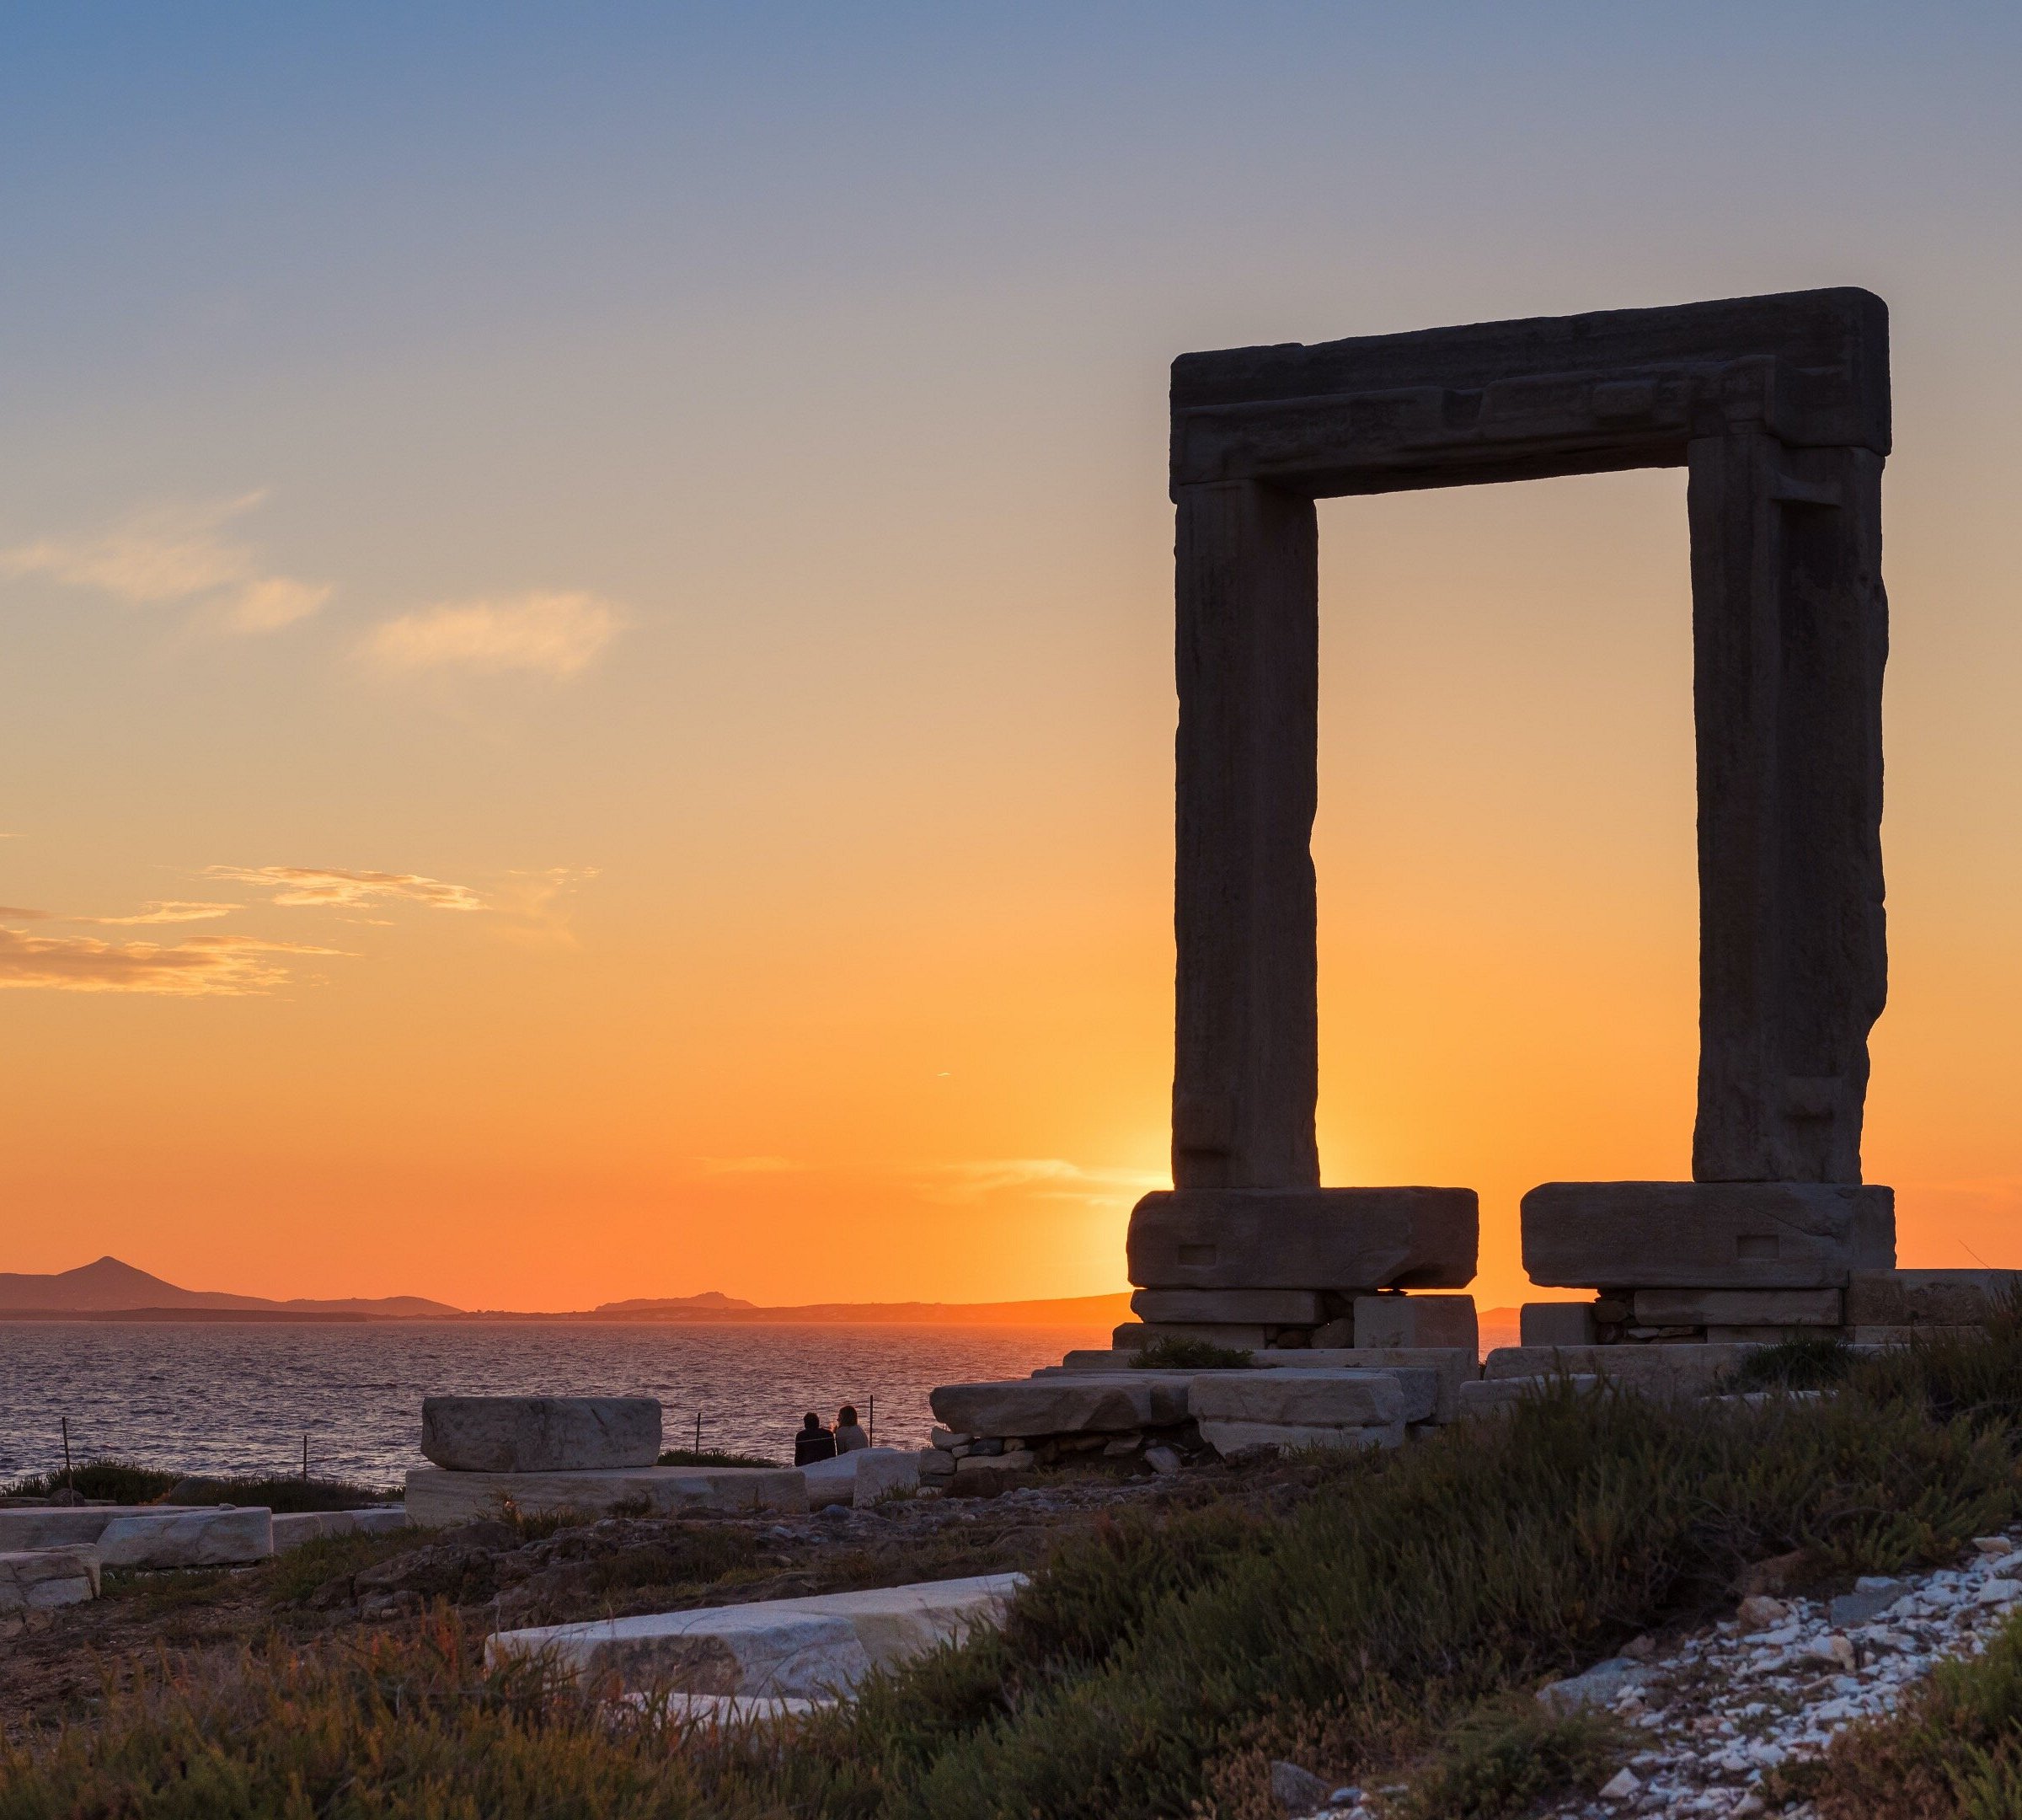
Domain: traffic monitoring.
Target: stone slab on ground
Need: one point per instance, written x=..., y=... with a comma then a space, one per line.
x=1699, y=1235
x=1739, y=1308
x=1268, y=1307
x=42, y=1579
x=1555, y=1324
x=437, y=1497
x=1232, y=1437
x=1927, y=1297
x=1692, y=1366
x=811, y=1648
x=1069, y=1404
x=291, y=1528
x=1343, y=1238
x=1416, y=1320
x=539, y=1434
x=188, y=1539
x=1317, y=1399
x=145, y=1535
x=862, y=1477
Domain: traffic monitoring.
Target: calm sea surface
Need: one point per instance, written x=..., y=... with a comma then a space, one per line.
x=216, y=1398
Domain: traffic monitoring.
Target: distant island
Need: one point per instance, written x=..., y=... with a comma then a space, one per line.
x=110, y=1290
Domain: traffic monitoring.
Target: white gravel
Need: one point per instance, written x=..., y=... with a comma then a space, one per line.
x=1774, y=1685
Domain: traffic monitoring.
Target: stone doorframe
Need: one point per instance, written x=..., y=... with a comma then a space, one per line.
x=1778, y=408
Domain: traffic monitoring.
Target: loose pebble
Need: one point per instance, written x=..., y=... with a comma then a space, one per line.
x=1718, y=1709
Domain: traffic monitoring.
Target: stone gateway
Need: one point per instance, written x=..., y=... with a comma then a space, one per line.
x=1778, y=407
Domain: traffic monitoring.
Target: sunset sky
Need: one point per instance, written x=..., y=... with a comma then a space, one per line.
x=585, y=690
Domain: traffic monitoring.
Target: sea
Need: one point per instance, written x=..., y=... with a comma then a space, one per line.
x=221, y=1397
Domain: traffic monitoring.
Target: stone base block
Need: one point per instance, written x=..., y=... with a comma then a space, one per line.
x=1133, y=1335
x=1928, y=1297
x=991, y=1475
x=539, y=1434
x=796, y=1648
x=1253, y=1308
x=1695, y=1367
x=215, y=1538
x=1315, y=1398
x=1699, y=1235
x=1555, y=1324
x=435, y=1497
x=1339, y=1239
x=291, y=1528
x=1416, y=1320
x=861, y=1478
x=42, y=1579
x=1069, y=1404
x=1739, y=1308
x=1228, y=1438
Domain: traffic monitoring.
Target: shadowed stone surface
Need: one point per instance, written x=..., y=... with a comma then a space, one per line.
x=48, y=1577
x=1928, y=1297
x=1344, y=1239
x=1070, y=1403
x=145, y=1535
x=1266, y=1308
x=291, y=1528
x=796, y=1648
x=1699, y=1235
x=1230, y=1437
x=437, y=1497
x=1450, y=1366
x=1317, y=1399
x=1555, y=1324
x=1417, y=1321
x=1740, y=1308
x=539, y=1434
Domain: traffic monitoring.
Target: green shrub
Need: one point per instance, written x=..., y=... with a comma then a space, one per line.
x=120, y=1480
x=1190, y=1355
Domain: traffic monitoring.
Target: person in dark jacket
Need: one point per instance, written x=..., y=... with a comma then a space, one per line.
x=814, y=1442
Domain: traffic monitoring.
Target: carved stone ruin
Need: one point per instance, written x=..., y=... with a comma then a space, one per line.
x=1779, y=408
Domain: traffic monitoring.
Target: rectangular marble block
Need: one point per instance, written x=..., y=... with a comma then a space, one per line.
x=1556, y=1324
x=1739, y=1308
x=1340, y=1238
x=437, y=1497
x=1228, y=1437
x=501, y=1434
x=1416, y=1320
x=1312, y=1399
x=1702, y=1235
x=188, y=1539
x=1450, y=1366
x=42, y=1579
x=1270, y=1308
x=291, y=1528
x=809, y=1648
x=1695, y=1367
x=1928, y=1297
x=1069, y=1404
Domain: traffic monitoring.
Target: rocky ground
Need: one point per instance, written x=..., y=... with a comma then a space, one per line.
x=54, y=1665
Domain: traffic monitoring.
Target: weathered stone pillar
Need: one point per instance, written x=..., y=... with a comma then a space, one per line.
x=1790, y=636
x=1245, y=1074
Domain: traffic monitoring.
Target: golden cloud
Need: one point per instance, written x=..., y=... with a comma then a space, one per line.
x=330, y=887
x=204, y=965
x=176, y=553
x=557, y=634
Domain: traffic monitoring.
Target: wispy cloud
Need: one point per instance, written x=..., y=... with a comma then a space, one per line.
x=203, y=966
x=1045, y=1178
x=176, y=553
x=555, y=634
x=15, y=913
x=328, y=887
x=173, y=911
x=747, y=1165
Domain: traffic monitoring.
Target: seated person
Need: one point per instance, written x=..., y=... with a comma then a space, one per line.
x=814, y=1442
x=849, y=1436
